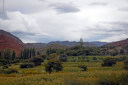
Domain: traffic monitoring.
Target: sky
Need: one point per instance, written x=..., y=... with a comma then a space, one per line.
x=65, y=20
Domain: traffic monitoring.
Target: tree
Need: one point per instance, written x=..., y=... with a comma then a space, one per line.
x=36, y=60
x=81, y=42
x=0, y=54
x=53, y=65
x=13, y=55
x=109, y=61
x=7, y=54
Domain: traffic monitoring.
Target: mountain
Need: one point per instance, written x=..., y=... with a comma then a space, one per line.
x=2, y=32
x=122, y=43
x=98, y=43
x=73, y=43
x=35, y=45
x=10, y=43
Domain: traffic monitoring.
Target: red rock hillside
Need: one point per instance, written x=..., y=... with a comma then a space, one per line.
x=123, y=43
x=10, y=43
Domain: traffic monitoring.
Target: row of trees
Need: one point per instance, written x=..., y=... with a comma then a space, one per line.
x=27, y=53
x=7, y=54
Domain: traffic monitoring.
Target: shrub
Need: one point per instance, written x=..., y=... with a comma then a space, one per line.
x=126, y=65
x=53, y=65
x=63, y=58
x=3, y=61
x=4, y=67
x=9, y=71
x=109, y=62
x=27, y=65
x=83, y=67
x=36, y=60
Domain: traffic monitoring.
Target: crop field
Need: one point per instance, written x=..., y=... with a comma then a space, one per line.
x=71, y=75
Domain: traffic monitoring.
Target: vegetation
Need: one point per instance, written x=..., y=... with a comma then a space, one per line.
x=27, y=65
x=83, y=67
x=126, y=64
x=36, y=60
x=53, y=65
x=33, y=67
x=109, y=61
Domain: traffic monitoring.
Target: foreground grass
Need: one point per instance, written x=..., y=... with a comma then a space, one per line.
x=71, y=75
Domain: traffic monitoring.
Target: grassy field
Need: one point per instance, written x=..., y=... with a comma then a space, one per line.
x=71, y=75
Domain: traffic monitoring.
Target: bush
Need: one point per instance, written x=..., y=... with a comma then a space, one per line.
x=53, y=65
x=109, y=62
x=4, y=67
x=63, y=58
x=9, y=71
x=36, y=60
x=126, y=65
x=83, y=67
x=4, y=61
x=27, y=65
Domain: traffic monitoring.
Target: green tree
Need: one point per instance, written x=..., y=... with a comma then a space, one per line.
x=53, y=65
x=7, y=54
x=13, y=55
x=0, y=54
x=109, y=61
x=36, y=60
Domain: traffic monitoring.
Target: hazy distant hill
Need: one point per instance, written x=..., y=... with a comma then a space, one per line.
x=98, y=43
x=73, y=43
x=35, y=45
x=64, y=43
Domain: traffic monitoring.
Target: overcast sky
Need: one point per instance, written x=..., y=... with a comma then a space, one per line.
x=52, y=20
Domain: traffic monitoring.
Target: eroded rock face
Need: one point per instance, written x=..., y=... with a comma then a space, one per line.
x=10, y=43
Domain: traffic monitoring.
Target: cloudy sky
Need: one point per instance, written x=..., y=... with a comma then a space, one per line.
x=52, y=20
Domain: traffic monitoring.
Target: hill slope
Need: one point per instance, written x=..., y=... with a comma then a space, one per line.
x=2, y=32
x=10, y=43
x=122, y=43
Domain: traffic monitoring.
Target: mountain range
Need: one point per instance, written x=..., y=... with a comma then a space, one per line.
x=7, y=40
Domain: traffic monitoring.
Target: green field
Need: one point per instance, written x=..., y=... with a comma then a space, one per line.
x=71, y=75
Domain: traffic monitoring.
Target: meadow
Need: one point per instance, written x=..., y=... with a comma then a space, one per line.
x=71, y=74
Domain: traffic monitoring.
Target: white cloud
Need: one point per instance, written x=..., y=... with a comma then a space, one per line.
x=47, y=20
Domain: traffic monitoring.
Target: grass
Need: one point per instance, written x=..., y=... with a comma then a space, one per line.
x=71, y=75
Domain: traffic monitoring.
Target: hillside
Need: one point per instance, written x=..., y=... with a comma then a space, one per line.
x=122, y=43
x=10, y=43
x=2, y=32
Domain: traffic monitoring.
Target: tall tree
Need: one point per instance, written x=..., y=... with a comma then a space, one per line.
x=13, y=55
